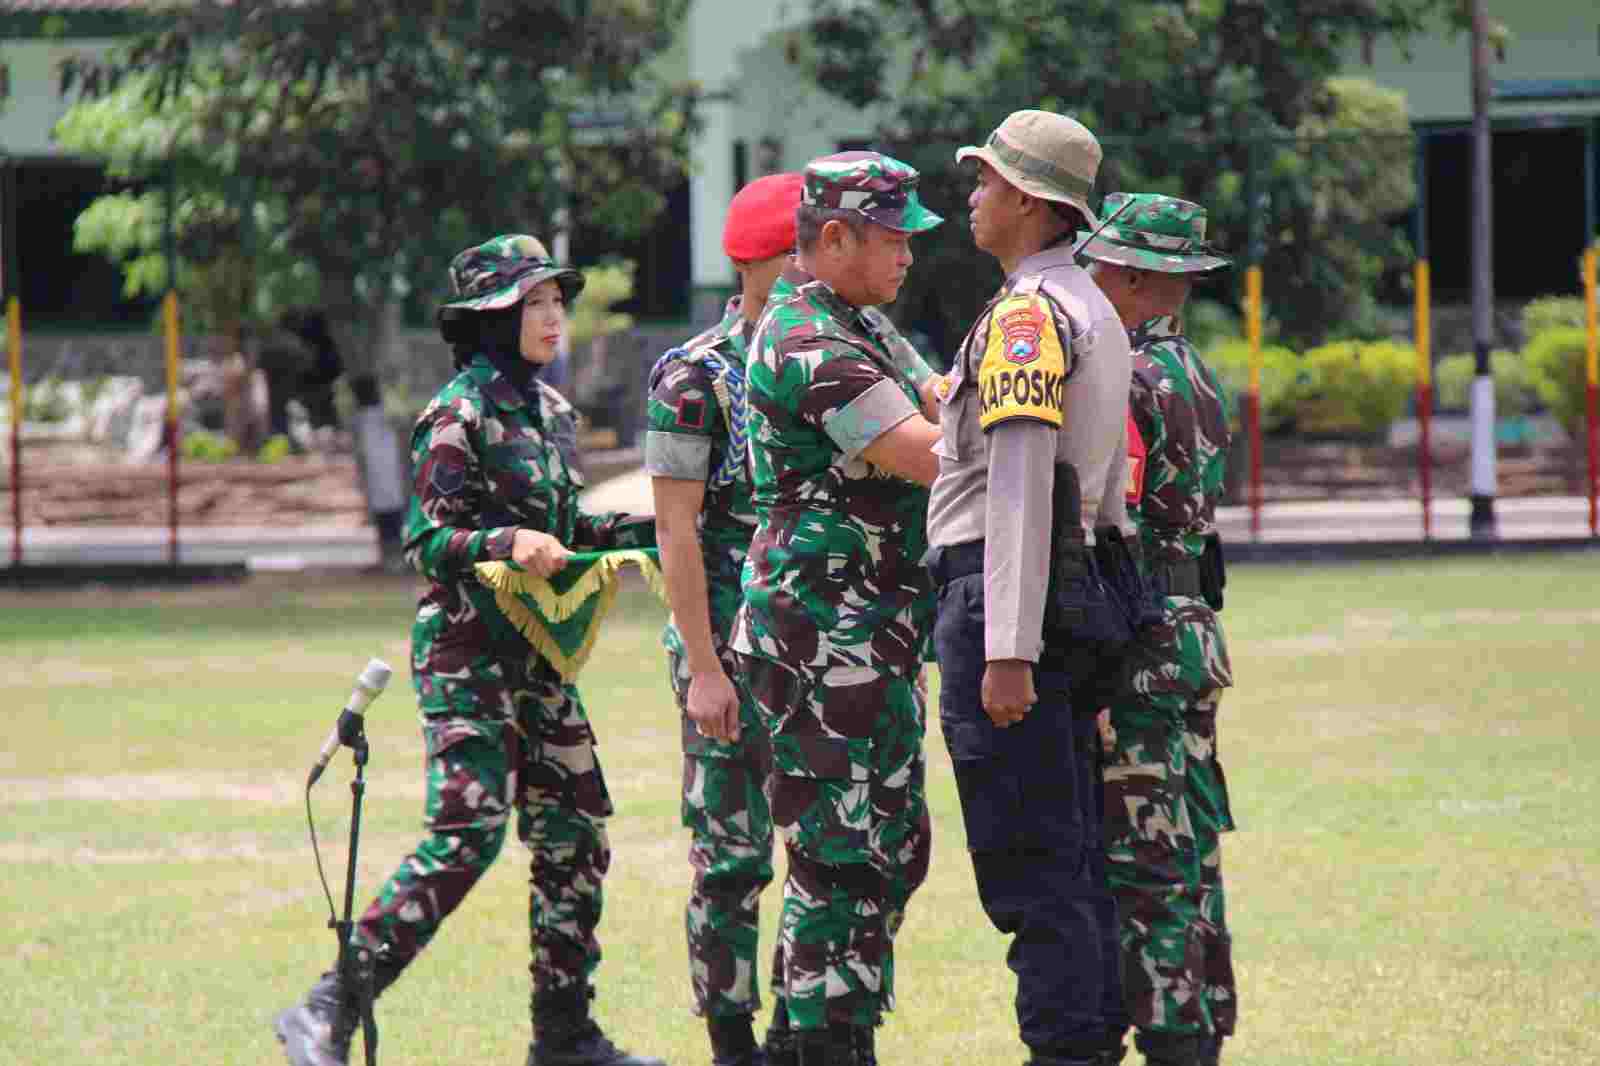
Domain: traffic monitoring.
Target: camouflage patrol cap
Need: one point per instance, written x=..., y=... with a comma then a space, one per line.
x=500, y=271
x=1154, y=232
x=881, y=189
x=1044, y=154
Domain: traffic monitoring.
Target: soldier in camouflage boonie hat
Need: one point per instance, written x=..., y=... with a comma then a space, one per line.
x=1149, y=231
x=500, y=271
x=881, y=189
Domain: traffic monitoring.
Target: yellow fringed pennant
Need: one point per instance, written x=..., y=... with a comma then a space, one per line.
x=560, y=616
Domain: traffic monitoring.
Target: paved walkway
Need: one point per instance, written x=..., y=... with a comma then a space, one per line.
x=1288, y=530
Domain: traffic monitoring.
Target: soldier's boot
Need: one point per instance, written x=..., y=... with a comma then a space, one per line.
x=733, y=1041
x=1170, y=1049
x=565, y=1034
x=782, y=1046
x=833, y=1046
x=317, y=1031
x=866, y=1045
x=1114, y=1051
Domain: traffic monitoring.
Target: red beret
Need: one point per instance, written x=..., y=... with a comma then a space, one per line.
x=760, y=221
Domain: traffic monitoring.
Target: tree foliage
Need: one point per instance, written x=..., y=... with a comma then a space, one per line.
x=1236, y=104
x=371, y=141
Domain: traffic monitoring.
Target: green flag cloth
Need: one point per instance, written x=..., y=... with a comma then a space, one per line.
x=561, y=615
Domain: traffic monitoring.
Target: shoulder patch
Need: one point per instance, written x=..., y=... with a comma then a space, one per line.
x=1137, y=454
x=691, y=412
x=1024, y=369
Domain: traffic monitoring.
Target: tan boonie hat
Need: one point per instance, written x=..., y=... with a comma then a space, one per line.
x=1044, y=154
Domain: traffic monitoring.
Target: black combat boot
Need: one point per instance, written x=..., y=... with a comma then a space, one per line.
x=865, y=1042
x=733, y=1041
x=1170, y=1049
x=317, y=1031
x=565, y=1035
x=1114, y=1051
x=833, y=1046
x=782, y=1046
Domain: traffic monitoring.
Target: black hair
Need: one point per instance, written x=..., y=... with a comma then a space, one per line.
x=810, y=218
x=471, y=332
x=1074, y=218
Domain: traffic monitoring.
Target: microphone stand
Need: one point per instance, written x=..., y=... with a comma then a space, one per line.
x=355, y=973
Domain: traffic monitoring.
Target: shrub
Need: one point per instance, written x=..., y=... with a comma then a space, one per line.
x=1281, y=380
x=275, y=450
x=206, y=447
x=1555, y=358
x=1549, y=312
x=1356, y=387
x=1515, y=388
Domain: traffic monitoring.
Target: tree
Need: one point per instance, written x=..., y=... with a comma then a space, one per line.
x=369, y=142
x=1232, y=103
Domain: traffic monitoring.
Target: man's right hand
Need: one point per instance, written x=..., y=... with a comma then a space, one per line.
x=1007, y=690
x=538, y=553
x=713, y=705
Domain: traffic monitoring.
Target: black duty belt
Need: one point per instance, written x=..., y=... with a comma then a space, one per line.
x=958, y=560
x=1181, y=578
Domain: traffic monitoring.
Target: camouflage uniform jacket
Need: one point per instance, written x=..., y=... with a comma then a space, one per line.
x=834, y=576
x=691, y=435
x=488, y=457
x=1182, y=414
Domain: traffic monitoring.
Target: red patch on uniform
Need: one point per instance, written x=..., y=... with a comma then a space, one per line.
x=1022, y=329
x=1137, y=454
x=691, y=413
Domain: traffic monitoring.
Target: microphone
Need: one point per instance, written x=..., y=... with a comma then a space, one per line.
x=348, y=730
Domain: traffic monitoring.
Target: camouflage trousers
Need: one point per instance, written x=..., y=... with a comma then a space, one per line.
x=543, y=764
x=730, y=850
x=848, y=794
x=1166, y=808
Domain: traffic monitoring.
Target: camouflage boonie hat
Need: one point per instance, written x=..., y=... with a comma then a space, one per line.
x=1154, y=232
x=881, y=189
x=500, y=271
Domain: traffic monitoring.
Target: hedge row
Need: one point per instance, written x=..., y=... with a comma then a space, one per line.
x=1359, y=387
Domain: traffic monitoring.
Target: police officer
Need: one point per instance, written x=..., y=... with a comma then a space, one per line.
x=1037, y=394
x=836, y=604
x=495, y=477
x=696, y=456
x=1167, y=801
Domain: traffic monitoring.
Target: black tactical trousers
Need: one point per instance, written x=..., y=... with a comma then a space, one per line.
x=1031, y=801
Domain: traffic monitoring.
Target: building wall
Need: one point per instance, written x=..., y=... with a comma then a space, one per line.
x=740, y=53
x=1550, y=39
x=35, y=103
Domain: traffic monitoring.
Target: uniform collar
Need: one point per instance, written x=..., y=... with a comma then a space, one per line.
x=505, y=381
x=1159, y=328
x=1052, y=258
x=797, y=281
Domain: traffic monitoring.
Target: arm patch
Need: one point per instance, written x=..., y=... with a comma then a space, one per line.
x=1024, y=368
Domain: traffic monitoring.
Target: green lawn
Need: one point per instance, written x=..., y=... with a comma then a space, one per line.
x=1413, y=751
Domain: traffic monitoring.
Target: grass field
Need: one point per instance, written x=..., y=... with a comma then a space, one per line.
x=1413, y=750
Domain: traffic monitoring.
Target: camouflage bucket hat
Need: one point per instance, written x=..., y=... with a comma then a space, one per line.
x=1044, y=154
x=499, y=272
x=881, y=189
x=1154, y=232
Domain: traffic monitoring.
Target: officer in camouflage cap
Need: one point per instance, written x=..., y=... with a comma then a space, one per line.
x=1167, y=801
x=495, y=477
x=837, y=607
